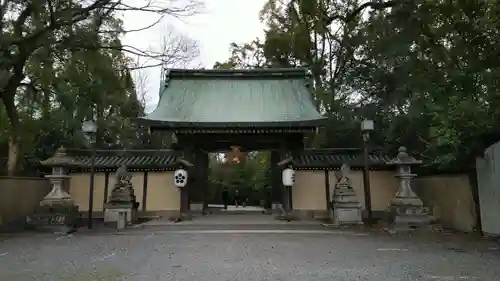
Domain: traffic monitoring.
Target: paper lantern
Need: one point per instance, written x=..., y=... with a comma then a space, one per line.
x=288, y=177
x=180, y=178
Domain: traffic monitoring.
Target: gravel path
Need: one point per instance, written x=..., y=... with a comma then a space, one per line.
x=190, y=253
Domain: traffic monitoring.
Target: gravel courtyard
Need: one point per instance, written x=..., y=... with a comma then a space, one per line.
x=246, y=252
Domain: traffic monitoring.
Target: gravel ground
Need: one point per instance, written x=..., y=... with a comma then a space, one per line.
x=189, y=253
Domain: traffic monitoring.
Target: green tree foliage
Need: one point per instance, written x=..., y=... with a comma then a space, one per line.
x=425, y=71
x=62, y=62
x=250, y=177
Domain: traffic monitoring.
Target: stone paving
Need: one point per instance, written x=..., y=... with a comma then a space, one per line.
x=247, y=252
x=245, y=218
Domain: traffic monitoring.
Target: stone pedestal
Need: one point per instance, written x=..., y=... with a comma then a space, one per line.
x=112, y=213
x=122, y=220
x=277, y=208
x=346, y=207
x=196, y=208
x=57, y=212
x=122, y=199
x=407, y=212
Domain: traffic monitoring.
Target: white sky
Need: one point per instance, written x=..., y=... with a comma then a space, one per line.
x=220, y=23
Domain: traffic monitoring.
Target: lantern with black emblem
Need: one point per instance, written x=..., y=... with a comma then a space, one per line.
x=180, y=178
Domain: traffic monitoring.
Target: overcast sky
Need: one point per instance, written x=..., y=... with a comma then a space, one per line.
x=221, y=22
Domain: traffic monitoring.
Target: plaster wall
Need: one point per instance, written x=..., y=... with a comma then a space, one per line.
x=161, y=195
x=19, y=197
x=309, y=192
x=449, y=198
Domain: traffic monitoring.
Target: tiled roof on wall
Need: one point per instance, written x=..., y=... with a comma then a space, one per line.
x=334, y=158
x=168, y=159
x=133, y=159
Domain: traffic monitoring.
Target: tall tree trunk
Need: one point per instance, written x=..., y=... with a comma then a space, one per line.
x=14, y=139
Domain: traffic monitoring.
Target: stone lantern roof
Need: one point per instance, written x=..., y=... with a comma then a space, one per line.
x=403, y=158
x=60, y=159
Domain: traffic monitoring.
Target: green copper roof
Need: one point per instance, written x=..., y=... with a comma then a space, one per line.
x=232, y=98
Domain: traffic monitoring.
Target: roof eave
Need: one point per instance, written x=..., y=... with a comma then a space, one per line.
x=166, y=124
x=245, y=73
x=337, y=166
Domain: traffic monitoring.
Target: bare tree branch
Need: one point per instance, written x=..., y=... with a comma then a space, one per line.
x=28, y=26
x=141, y=87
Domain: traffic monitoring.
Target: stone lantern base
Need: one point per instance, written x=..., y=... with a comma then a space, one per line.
x=113, y=210
x=60, y=217
x=408, y=214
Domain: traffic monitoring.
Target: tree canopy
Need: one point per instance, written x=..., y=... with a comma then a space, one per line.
x=425, y=71
x=63, y=62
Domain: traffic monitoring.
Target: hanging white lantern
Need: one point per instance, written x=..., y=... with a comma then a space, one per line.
x=288, y=177
x=180, y=178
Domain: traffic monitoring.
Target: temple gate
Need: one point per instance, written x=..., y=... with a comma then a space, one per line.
x=217, y=110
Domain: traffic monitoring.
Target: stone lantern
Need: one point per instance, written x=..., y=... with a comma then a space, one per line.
x=57, y=210
x=407, y=210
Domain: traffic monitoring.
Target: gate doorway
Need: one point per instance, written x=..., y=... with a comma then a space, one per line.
x=239, y=182
x=217, y=110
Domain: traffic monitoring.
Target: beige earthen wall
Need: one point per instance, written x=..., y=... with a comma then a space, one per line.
x=383, y=187
x=79, y=186
x=19, y=197
x=449, y=197
x=162, y=195
x=309, y=191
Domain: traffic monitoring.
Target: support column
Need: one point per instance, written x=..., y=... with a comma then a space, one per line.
x=288, y=190
x=145, y=191
x=275, y=179
x=187, y=154
x=196, y=187
x=327, y=195
x=204, y=180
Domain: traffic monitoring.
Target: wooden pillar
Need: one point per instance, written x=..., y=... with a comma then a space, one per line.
x=144, y=191
x=327, y=191
x=287, y=190
x=293, y=147
x=195, y=193
x=106, y=188
x=275, y=177
x=290, y=198
x=187, y=154
x=204, y=179
x=185, y=200
x=197, y=188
